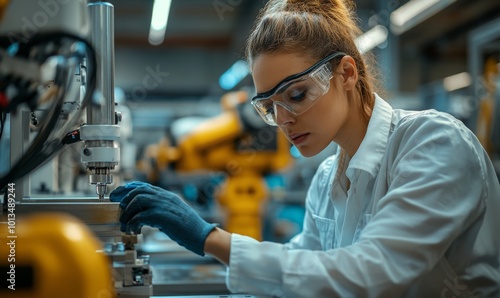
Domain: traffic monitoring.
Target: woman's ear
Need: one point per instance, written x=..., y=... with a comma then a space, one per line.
x=349, y=72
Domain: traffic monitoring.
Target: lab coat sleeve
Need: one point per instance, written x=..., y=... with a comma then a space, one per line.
x=435, y=191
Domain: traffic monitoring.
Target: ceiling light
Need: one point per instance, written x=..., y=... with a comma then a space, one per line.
x=371, y=38
x=159, y=20
x=458, y=81
x=231, y=77
x=414, y=12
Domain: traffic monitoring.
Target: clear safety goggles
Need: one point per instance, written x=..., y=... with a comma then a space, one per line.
x=296, y=93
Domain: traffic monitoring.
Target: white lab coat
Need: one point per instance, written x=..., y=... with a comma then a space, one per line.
x=420, y=219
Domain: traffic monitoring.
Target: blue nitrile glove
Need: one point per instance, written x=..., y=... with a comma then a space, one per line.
x=148, y=205
x=120, y=192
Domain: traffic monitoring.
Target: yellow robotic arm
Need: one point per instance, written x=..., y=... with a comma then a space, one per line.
x=238, y=143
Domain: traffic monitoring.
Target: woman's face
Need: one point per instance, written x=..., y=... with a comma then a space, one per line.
x=313, y=130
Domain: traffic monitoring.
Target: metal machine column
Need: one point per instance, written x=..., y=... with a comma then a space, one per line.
x=101, y=153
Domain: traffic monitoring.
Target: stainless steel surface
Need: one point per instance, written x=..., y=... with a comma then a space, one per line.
x=178, y=271
x=103, y=40
x=89, y=211
x=189, y=279
x=100, y=217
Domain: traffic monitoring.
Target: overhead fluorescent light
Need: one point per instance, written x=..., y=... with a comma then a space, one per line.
x=371, y=38
x=159, y=20
x=414, y=12
x=235, y=74
x=457, y=81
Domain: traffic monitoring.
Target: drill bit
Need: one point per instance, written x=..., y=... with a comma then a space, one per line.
x=100, y=190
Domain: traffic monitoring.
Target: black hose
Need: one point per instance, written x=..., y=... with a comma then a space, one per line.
x=43, y=148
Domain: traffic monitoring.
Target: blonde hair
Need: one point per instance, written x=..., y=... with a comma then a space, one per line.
x=317, y=28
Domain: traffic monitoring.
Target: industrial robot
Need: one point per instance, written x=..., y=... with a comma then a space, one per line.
x=237, y=143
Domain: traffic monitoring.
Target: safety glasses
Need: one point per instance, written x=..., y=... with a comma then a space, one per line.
x=296, y=93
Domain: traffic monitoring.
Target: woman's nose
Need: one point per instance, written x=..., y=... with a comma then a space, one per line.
x=282, y=114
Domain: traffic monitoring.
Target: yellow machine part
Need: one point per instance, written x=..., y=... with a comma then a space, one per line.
x=210, y=146
x=485, y=123
x=3, y=7
x=487, y=106
x=54, y=255
x=242, y=196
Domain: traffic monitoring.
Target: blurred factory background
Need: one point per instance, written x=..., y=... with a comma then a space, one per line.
x=182, y=91
x=431, y=54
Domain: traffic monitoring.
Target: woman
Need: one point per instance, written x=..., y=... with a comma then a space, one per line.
x=409, y=207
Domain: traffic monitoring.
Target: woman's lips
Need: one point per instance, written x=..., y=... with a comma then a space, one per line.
x=299, y=138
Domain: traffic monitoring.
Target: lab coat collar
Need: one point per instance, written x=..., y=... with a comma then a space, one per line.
x=372, y=149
